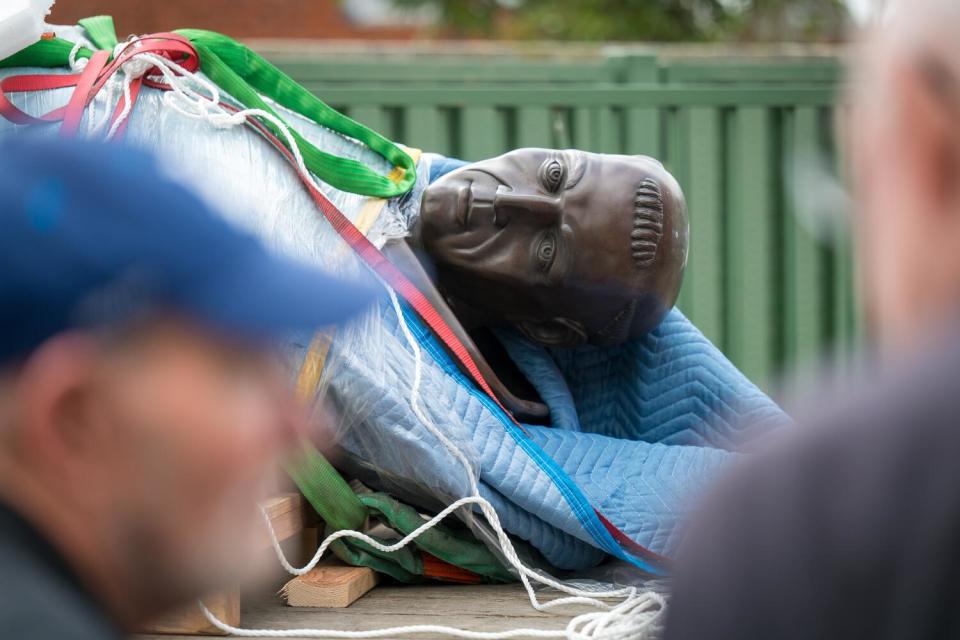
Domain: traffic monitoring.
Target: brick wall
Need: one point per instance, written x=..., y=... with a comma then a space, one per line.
x=320, y=19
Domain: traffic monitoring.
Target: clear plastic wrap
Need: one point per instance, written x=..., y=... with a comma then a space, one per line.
x=246, y=179
x=407, y=421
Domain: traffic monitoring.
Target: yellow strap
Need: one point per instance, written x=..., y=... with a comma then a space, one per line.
x=308, y=379
x=312, y=368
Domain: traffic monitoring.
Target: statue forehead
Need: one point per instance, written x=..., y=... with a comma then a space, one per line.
x=520, y=167
x=577, y=162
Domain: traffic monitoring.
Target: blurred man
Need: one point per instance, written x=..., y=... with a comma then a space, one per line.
x=852, y=528
x=140, y=410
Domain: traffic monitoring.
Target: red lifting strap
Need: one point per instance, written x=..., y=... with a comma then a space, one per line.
x=100, y=69
x=384, y=268
x=413, y=296
x=88, y=83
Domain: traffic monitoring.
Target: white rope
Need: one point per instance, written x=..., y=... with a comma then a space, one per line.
x=637, y=613
x=77, y=65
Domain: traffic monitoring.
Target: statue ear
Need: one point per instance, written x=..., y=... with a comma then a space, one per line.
x=558, y=332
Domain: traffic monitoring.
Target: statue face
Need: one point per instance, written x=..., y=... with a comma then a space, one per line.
x=568, y=246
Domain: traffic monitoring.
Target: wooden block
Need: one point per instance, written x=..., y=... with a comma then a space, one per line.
x=329, y=587
x=287, y=515
x=309, y=541
x=191, y=621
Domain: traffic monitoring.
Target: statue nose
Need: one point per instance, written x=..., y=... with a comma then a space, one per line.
x=507, y=205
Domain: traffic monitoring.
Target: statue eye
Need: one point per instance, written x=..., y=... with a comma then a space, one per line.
x=552, y=175
x=547, y=251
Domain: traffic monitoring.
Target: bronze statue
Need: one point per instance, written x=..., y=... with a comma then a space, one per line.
x=569, y=247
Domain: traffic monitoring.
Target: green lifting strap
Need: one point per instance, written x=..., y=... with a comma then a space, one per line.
x=326, y=490
x=456, y=546
x=101, y=31
x=333, y=499
x=48, y=54
x=248, y=77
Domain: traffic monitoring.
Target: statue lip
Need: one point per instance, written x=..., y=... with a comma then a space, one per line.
x=464, y=204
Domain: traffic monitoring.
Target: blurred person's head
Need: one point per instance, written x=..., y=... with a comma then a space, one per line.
x=142, y=412
x=145, y=449
x=906, y=162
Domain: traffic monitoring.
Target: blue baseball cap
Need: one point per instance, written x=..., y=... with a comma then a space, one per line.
x=92, y=233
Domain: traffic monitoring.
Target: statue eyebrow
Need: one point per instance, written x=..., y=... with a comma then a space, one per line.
x=576, y=166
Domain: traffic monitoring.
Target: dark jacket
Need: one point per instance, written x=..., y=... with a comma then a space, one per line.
x=40, y=596
x=849, y=529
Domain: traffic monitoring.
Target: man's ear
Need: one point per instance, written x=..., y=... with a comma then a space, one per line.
x=930, y=122
x=53, y=391
x=558, y=332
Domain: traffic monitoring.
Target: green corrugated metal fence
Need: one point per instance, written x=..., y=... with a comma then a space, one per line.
x=759, y=283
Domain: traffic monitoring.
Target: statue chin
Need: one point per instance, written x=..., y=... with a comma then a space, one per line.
x=569, y=247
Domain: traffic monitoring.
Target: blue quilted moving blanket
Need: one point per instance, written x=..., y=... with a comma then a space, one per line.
x=636, y=430
x=673, y=387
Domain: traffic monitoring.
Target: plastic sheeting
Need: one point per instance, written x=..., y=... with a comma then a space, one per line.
x=540, y=482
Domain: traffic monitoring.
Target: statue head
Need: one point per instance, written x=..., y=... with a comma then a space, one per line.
x=570, y=247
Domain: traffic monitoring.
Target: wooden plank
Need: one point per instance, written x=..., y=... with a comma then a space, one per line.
x=329, y=587
x=805, y=267
x=636, y=68
x=704, y=285
x=191, y=621
x=372, y=116
x=583, y=129
x=484, y=608
x=578, y=96
x=674, y=154
x=817, y=71
x=287, y=515
x=561, y=128
x=676, y=158
x=427, y=71
x=643, y=131
x=483, y=133
x=608, y=130
x=426, y=129
x=534, y=127
x=631, y=68
x=393, y=122
x=848, y=320
x=843, y=295
x=751, y=315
